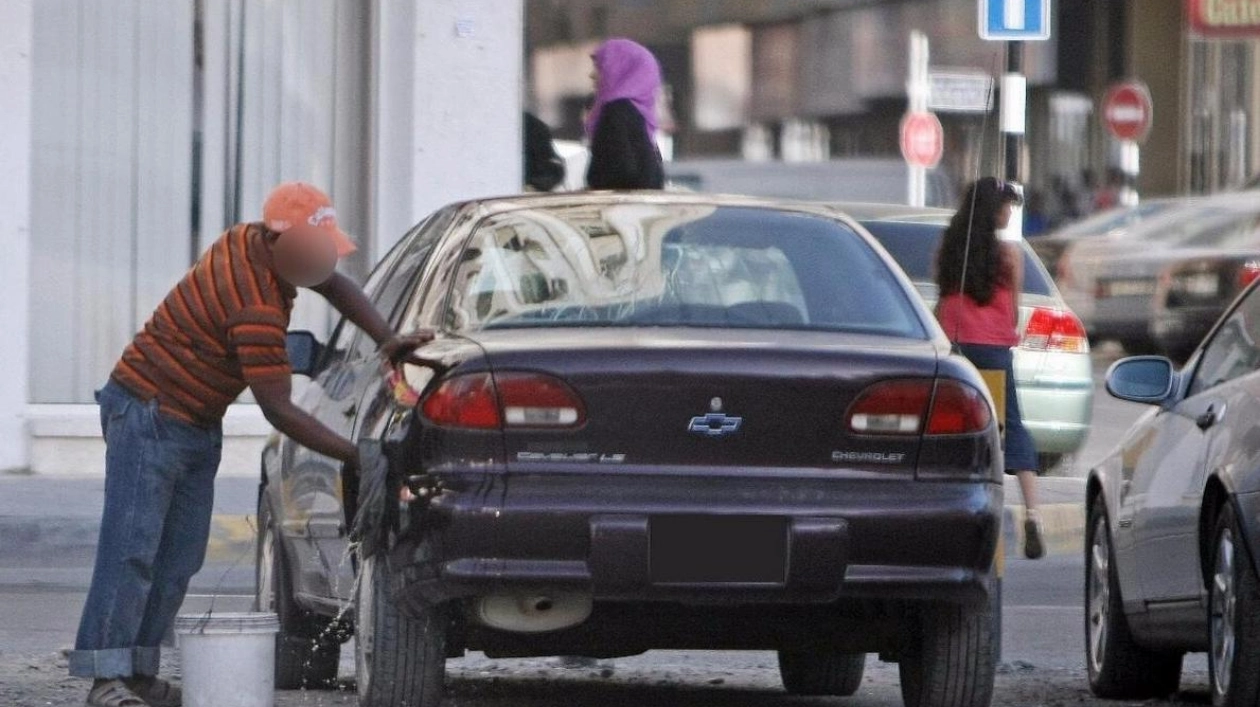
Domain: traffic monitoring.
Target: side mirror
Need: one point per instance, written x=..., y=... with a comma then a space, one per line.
x=1142, y=379
x=304, y=350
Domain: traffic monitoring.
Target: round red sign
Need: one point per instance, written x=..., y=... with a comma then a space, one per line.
x=922, y=139
x=1127, y=111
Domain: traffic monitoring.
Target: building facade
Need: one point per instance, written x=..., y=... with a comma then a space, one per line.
x=134, y=132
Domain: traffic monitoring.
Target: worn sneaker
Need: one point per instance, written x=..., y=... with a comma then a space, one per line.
x=113, y=693
x=155, y=691
x=1034, y=545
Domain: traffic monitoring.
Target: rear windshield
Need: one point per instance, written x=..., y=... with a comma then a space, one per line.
x=913, y=246
x=695, y=265
x=1235, y=231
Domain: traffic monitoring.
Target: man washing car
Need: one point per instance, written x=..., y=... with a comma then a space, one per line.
x=219, y=331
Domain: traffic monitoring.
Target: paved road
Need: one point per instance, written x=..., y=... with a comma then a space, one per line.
x=1043, y=662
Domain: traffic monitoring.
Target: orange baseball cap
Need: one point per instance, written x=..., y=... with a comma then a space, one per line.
x=295, y=204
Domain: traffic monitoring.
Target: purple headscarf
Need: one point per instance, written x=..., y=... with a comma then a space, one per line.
x=626, y=70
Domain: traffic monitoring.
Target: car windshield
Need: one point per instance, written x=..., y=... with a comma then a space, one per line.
x=695, y=265
x=1239, y=230
x=913, y=246
x=1117, y=218
x=1186, y=225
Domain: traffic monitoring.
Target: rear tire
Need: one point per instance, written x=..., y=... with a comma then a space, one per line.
x=953, y=657
x=1233, y=618
x=307, y=649
x=821, y=672
x=1118, y=667
x=400, y=660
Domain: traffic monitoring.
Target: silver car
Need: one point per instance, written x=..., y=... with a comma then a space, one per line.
x=1128, y=278
x=1053, y=372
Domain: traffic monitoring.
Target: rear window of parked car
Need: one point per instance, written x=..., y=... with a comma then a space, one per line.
x=642, y=264
x=913, y=246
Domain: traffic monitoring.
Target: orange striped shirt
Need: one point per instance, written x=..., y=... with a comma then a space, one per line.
x=220, y=328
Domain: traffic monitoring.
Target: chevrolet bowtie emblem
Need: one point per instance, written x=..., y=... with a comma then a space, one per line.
x=715, y=424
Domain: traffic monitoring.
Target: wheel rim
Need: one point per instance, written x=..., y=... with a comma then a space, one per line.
x=265, y=598
x=364, y=626
x=1224, y=602
x=1099, y=594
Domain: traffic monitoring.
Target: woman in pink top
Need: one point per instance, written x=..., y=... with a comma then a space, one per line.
x=980, y=279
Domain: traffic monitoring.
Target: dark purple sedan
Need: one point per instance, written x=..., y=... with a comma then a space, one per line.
x=648, y=421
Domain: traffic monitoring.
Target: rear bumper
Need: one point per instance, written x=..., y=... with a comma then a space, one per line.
x=846, y=539
x=1056, y=395
x=1058, y=417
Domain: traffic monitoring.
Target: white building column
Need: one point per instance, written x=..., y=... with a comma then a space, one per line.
x=447, y=97
x=16, y=41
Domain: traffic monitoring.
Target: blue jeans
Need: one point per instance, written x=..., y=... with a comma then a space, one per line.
x=1017, y=443
x=159, y=496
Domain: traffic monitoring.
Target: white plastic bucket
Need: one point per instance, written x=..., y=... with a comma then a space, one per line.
x=228, y=660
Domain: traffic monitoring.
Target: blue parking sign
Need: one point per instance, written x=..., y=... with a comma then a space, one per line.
x=1014, y=19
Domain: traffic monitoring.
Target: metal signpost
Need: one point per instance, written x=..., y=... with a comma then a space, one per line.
x=921, y=135
x=1014, y=21
x=1127, y=113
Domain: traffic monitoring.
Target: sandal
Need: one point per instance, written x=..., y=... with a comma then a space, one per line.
x=155, y=691
x=113, y=693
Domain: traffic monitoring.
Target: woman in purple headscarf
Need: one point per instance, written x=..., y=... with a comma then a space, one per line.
x=622, y=122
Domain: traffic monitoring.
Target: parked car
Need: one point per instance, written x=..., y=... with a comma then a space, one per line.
x=647, y=420
x=1110, y=223
x=850, y=179
x=1172, y=533
x=1128, y=286
x=1088, y=260
x=1196, y=286
x=1053, y=370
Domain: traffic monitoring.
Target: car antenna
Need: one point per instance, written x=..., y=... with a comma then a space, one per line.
x=971, y=208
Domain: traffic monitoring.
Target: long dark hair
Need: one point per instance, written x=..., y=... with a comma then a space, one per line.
x=970, y=241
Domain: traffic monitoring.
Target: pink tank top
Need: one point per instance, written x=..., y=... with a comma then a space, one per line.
x=966, y=322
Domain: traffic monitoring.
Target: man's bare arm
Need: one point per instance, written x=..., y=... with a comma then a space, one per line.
x=274, y=397
x=349, y=299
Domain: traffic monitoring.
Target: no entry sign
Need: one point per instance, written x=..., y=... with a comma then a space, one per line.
x=1127, y=111
x=922, y=139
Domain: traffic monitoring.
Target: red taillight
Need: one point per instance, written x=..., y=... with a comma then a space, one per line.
x=531, y=400
x=1248, y=273
x=464, y=401
x=480, y=401
x=891, y=408
x=1055, y=330
x=958, y=409
x=910, y=407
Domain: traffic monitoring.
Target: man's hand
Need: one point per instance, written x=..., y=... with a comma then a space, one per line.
x=400, y=346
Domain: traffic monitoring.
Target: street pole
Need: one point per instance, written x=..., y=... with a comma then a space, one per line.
x=1014, y=101
x=917, y=98
x=1014, y=124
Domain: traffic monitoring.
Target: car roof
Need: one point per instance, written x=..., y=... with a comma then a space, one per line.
x=864, y=211
x=514, y=202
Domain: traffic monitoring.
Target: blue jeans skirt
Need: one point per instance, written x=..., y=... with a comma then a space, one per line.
x=159, y=497
x=1017, y=445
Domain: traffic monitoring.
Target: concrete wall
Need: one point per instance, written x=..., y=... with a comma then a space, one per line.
x=17, y=19
x=447, y=79
x=433, y=115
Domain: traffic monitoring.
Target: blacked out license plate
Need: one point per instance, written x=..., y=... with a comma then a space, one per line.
x=689, y=549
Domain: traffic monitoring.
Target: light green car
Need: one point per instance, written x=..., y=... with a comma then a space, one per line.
x=1053, y=371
